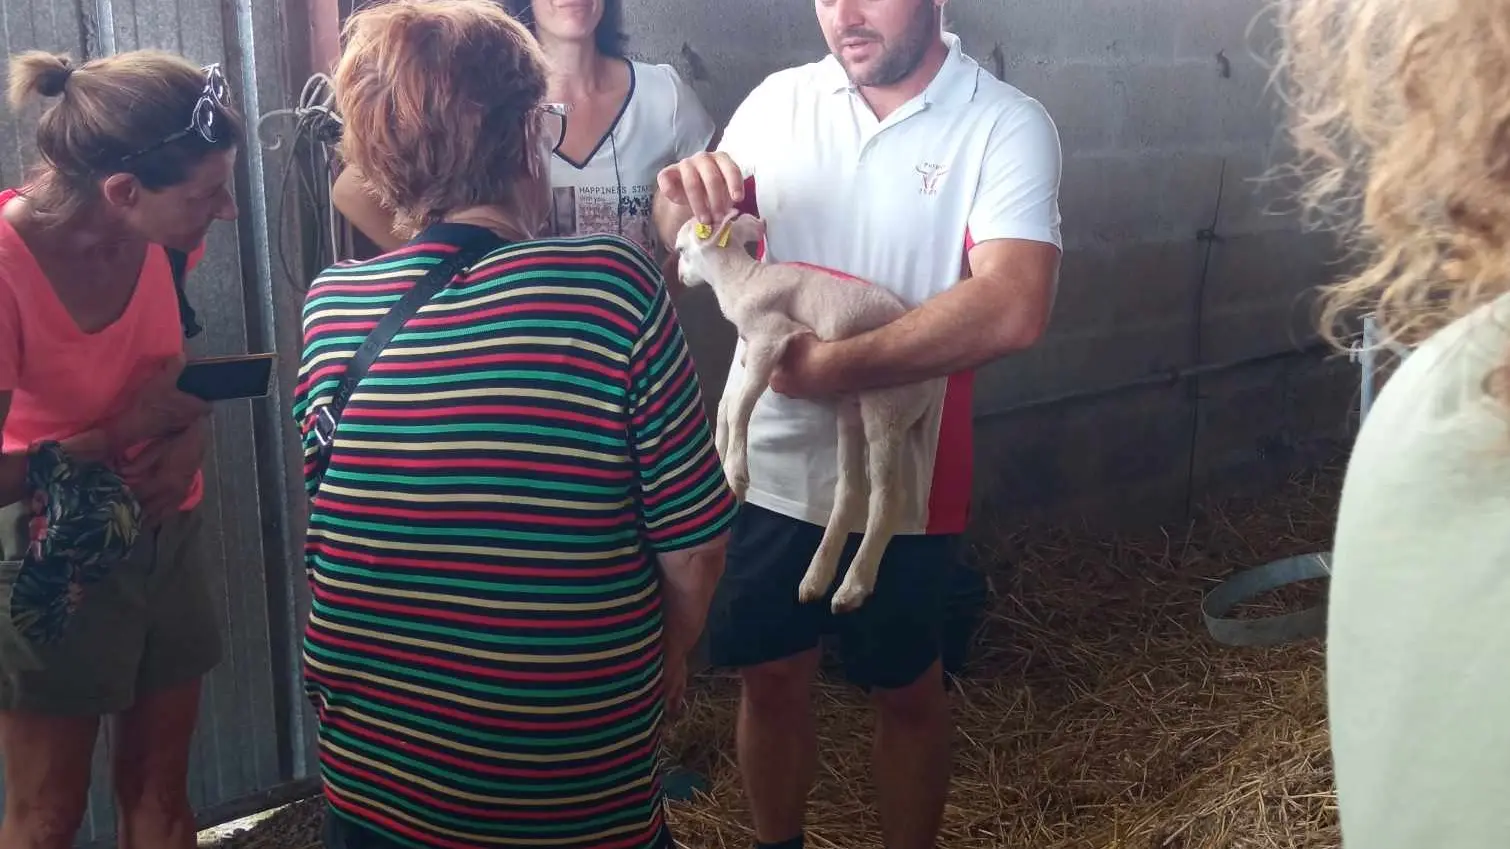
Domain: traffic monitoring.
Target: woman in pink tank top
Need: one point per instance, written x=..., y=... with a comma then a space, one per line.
x=104, y=612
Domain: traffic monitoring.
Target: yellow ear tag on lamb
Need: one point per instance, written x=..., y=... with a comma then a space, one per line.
x=723, y=238
x=703, y=231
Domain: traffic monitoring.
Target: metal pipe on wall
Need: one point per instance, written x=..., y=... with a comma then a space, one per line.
x=1171, y=377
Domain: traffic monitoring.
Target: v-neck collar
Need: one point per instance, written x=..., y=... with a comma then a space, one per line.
x=51, y=296
x=612, y=126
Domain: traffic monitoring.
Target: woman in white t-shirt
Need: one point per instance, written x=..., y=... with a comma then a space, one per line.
x=625, y=121
x=1400, y=106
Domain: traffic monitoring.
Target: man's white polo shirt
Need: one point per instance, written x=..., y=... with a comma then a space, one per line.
x=897, y=202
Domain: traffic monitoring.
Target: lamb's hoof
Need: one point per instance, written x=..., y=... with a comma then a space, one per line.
x=849, y=598
x=739, y=484
x=812, y=588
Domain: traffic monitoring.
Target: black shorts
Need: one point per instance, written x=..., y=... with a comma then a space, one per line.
x=888, y=642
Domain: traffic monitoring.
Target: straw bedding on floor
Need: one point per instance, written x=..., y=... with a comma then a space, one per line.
x=1096, y=713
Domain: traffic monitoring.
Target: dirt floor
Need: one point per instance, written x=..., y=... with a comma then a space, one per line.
x=1097, y=712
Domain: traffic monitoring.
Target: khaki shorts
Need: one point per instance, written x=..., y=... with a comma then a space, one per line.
x=147, y=626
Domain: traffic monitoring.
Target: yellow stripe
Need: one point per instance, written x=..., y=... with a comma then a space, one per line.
x=489, y=605
x=509, y=293
x=443, y=698
x=475, y=346
x=513, y=341
x=462, y=496
x=490, y=754
x=378, y=639
x=697, y=509
x=490, y=551
x=457, y=793
x=488, y=392
x=558, y=453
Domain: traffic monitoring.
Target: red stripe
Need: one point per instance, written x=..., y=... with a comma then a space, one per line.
x=386, y=822
x=691, y=523
x=492, y=621
x=548, y=308
x=544, y=774
x=427, y=707
x=608, y=259
x=708, y=466
x=329, y=288
x=388, y=560
x=426, y=838
x=751, y=206
x=954, y=459
x=363, y=648
x=491, y=813
x=474, y=411
x=474, y=464
x=670, y=393
x=830, y=271
x=553, y=360
x=488, y=517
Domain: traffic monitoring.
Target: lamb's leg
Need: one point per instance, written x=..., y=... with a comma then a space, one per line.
x=849, y=499
x=721, y=428
x=884, y=436
x=760, y=362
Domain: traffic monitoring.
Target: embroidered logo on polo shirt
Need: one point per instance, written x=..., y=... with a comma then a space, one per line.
x=931, y=173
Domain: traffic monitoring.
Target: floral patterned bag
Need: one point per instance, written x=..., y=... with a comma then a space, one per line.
x=81, y=520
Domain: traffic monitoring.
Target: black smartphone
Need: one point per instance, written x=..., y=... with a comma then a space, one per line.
x=228, y=378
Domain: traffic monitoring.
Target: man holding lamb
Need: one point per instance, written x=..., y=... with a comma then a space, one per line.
x=900, y=161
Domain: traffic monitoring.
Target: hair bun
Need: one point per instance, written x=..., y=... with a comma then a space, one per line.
x=40, y=73
x=53, y=79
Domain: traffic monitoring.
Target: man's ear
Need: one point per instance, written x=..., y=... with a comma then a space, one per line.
x=121, y=190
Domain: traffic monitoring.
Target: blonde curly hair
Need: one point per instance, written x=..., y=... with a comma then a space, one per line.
x=1400, y=113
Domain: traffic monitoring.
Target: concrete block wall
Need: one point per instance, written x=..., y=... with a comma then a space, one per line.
x=1169, y=129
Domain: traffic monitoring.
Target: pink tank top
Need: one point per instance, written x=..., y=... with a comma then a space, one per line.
x=62, y=380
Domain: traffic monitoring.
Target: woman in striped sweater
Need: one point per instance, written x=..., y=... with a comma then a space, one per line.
x=517, y=517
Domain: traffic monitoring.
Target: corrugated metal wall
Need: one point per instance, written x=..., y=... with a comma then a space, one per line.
x=253, y=733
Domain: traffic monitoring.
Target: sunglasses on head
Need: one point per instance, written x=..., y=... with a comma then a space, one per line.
x=211, y=103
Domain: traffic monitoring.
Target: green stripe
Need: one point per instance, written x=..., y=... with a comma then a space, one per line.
x=711, y=481
x=504, y=278
x=536, y=742
x=541, y=375
x=537, y=694
x=489, y=481
x=499, y=428
x=678, y=454
x=325, y=339
x=615, y=639
x=398, y=761
x=703, y=533
x=572, y=539
x=558, y=327
x=470, y=784
x=398, y=577
x=379, y=265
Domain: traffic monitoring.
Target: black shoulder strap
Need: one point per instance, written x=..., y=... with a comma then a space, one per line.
x=471, y=243
x=179, y=262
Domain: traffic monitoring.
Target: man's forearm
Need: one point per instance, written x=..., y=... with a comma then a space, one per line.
x=688, y=579
x=962, y=329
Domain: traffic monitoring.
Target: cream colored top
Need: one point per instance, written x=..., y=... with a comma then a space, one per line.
x=1418, y=643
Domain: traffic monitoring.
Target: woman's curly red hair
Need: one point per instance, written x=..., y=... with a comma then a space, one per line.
x=440, y=102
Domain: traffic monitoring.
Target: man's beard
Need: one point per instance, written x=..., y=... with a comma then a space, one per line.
x=901, y=59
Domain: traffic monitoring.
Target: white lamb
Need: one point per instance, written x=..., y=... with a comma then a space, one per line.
x=769, y=304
